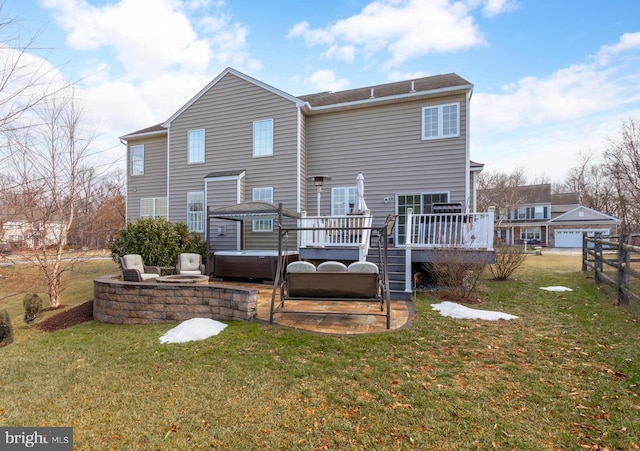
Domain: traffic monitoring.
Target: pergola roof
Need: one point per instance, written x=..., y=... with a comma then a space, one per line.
x=249, y=211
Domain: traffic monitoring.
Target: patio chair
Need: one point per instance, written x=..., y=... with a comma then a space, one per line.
x=190, y=265
x=134, y=270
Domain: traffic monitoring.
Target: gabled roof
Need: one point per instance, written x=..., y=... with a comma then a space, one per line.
x=329, y=101
x=565, y=199
x=215, y=81
x=398, y=88
x=385, y=93
x=534, y=194
x=594, y=216
x=157, y=129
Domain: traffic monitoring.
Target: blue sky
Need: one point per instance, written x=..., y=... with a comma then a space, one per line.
x=552, y=79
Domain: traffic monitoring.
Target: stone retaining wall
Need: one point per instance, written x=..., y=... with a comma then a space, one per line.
x=119, y=302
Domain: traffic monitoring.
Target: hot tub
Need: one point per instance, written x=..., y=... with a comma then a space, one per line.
x=249, y=264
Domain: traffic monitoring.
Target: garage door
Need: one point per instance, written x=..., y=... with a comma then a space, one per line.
x=573, y=238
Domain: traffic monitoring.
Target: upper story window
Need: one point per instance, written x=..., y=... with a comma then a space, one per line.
x=263, y=138
x=343, y=200
x=136, y=160
x=441, y=121
x=153, y=207
x=265, y=195
x=195, y=146
x=195, y=211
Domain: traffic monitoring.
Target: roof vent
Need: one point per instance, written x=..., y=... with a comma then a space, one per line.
x=372, y=96
x=413, y=88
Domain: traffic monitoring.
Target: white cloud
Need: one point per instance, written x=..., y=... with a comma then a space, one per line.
x=326, y=80
x=538, y=123
x=404, y=29
x=495, y=7
x=577, y=91
x=151, y=37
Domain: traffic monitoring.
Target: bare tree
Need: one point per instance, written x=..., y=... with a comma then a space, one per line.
x=622, y=167
x=100, y=212
x=590, y=180
x=500, y=190
x=25, y=79
x=45, y=163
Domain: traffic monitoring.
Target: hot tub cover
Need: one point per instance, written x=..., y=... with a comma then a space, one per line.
x=249, y=211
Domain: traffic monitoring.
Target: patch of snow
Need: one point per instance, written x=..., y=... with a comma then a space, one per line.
x=554, y=288
x=453, y=310
x=192, y=330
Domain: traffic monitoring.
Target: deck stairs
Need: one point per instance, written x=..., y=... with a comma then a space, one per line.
x=396, y=271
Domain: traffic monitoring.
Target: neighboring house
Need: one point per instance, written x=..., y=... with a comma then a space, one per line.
x=554, y=220
x=24, y=233
x=241, y=140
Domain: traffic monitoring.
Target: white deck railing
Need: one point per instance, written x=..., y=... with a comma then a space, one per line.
x=460, y=230
x=348, y=231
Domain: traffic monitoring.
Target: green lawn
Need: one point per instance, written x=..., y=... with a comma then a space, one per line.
x=563, y=376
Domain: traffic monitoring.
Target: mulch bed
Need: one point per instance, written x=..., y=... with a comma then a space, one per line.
x=76, y=315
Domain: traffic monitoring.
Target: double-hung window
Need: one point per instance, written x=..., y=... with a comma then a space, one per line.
x=441, y=121
x=265, y=195
x=263, y=138
x=343, y=200
x=195, y=211
x=153, y=207
x=136, y=160
x=195, y=146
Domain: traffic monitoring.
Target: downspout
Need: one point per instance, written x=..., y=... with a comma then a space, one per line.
x=467, y=175
x=126, y=195
x=168, y=169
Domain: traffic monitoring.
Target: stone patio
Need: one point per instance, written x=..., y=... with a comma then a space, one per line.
x=320, y=322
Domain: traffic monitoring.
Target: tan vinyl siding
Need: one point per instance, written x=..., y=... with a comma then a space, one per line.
x=227, y=112
x=385, y=144
x=221, y=193
x=153, y=183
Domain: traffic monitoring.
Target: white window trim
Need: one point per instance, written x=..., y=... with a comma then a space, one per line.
x=199, y=228
x=204, y=146
x=154, y=207
x=345, y=190
x=254, y=138
x=440, y=134
x=131, y=165
x=268, y=223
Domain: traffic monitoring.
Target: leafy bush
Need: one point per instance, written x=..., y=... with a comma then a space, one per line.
x=32, y=307
x=6, y=331
x=158, y=241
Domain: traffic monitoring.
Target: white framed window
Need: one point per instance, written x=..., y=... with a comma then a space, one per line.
x=521, y=213
x=263, y=138
x=265, y=195
x=343, y=200
x=195, y=211
x=136, y=160
x=530, y=233
x=441, y=121
x=538, y=212
x=153, y=207
x=195, y=146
